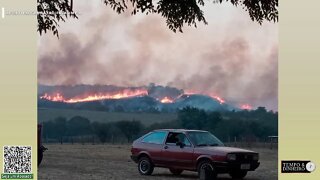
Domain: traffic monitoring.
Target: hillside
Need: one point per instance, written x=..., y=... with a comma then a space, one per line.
x=147, y=99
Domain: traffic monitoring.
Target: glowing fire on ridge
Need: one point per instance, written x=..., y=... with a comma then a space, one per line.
x=166, y=100
x=221, y=101
x=118, y=95
x=246, y=107
x=127, y=93
x=189, y=92
x=218, y=98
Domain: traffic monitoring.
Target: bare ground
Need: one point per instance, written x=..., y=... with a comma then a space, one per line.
x=93, y=162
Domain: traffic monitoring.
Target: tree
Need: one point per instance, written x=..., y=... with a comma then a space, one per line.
x=214, y=118
x=130, y=128
x=176, y=12
x=60, y=125
x=192, y=118
x=102, y=130
x=48, y=130
x=79, y=126
x=56, y=128
x=51, y=12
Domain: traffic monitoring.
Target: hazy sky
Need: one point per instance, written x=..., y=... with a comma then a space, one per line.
x=232, y=56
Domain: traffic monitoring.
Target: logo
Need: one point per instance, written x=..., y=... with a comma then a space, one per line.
x=311, y=166
x=297, y=166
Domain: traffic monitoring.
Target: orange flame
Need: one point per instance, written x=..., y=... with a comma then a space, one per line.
x=246, y=107
x=56, y=97
x=118, y=95
x=189, y=92
x=221, y=101
x=166, y=100
x=218, y=98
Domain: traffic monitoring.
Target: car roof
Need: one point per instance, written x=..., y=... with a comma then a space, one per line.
x=180, y=130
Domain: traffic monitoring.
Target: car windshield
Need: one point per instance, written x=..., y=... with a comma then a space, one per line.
x=200, y=138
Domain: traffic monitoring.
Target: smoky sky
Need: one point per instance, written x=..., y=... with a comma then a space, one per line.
x=232, y=56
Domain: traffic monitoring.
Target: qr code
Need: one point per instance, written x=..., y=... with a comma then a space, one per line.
x=17, y=159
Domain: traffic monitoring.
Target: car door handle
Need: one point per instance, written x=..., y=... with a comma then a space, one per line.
x=165, y=147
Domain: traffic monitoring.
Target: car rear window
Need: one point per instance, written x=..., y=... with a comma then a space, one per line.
x=155, y=137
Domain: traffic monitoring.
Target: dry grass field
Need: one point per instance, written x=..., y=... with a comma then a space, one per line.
x=93, y=162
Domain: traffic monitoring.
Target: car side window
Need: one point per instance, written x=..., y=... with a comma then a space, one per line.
x=173, y=138
x=155, y=137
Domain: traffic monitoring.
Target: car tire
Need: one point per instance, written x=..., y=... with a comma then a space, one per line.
x=206, y=170
x=238, y=174
x=145, y=166
x=176, y=172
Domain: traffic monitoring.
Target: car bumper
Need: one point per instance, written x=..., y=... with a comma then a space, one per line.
x=224, y=167
x=134, y=158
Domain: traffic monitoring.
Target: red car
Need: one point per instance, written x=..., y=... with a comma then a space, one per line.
x=192, y=150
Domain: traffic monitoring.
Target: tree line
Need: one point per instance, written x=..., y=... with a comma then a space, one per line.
x=60, y=129
x=227, y=125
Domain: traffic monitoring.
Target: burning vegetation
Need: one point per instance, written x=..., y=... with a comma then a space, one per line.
x=246, y=106
x=164, y=96
x=166, y=100
x=127, y=93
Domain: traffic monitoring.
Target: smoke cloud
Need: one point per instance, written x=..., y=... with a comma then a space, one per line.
x=232, y=57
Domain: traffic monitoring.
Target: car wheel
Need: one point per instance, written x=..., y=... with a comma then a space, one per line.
x=176, y=171
x=145, y=166
x=206, y=170
x=238, y=174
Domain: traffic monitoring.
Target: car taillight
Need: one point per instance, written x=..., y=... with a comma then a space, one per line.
x=231, y=157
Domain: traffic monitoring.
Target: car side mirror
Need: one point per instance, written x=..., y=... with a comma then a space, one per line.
x=181, y=144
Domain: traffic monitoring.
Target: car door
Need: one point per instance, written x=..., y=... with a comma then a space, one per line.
x=153, y=144
x=176, y=156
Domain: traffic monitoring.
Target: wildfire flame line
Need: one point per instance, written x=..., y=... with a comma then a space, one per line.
x=127, y=93
x=166, y=100
x=119, y=95
x=218, y=98
x=221, y=101
x=246, y=107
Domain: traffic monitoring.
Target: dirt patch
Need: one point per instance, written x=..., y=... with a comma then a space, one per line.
x=113, y=162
